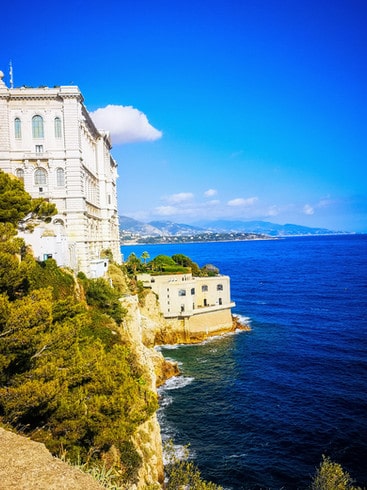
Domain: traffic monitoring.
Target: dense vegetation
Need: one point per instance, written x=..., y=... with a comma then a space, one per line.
x=163, y=264
x=67, y=376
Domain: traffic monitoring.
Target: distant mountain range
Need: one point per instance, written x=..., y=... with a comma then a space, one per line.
x=168, y=228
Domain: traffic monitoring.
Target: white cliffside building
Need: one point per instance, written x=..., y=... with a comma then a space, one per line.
x=202, y=304
x=48, y=140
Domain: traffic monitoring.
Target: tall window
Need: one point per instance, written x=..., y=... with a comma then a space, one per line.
x=40, y=176
x=20, y=174
x=37, y=127
x=18, y=128
x=60, y=177
x=57, y=124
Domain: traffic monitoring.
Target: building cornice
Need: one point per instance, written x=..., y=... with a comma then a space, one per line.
x=42, y=93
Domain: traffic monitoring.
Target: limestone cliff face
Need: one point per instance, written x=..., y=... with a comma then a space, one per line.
x=147, y=438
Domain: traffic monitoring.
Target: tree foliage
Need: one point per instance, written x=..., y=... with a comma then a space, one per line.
x=331, y=476
x=17, y=206
x=185, y=261
x=100, y=294
x=69, y=382
x=68, y=378
x=15, y=202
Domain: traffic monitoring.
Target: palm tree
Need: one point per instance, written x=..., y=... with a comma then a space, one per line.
x=145, y=256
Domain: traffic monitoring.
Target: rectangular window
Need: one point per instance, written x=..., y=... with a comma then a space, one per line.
x=60, y=177
x=57, y=124
x=39, y=148
x=18, y=128
x=37, y=127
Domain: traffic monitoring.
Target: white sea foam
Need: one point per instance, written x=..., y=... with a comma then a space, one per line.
x=244, y=320
x=180, y=452
x=236, y=456
x=177, y=382
x=164, y=401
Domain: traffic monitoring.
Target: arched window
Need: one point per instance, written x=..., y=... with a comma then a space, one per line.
x=20, y=174
x=40, y=176
x=60, y=177
x=204, y=288
x=57, y=125
x=37, y=127
x=18, y=128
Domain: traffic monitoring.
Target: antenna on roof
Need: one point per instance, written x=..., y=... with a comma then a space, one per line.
x=11, y=74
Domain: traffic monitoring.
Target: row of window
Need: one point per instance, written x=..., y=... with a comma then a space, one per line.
x=41, y=176
x=38, y=130
x=204, y=288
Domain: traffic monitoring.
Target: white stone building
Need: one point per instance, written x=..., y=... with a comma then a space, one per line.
x=48, y=140
x=182, y=295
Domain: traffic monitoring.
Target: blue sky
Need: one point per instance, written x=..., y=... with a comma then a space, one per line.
x=253, y=109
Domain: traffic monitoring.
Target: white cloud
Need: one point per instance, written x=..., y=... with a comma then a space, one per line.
x=307, y=209
x=166, y=210
x=210, y=193
x=240, y=201
x=180, y=197
x=125, y=124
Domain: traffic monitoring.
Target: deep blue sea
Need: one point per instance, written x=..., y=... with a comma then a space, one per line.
x=260, y=408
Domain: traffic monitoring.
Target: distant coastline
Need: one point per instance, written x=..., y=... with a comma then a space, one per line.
x=213, y=238
x=135, y=232
x=200, y=238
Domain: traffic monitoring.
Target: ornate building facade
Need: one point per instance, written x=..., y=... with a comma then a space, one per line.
x=49, y=141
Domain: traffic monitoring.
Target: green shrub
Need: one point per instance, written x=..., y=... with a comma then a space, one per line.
x=182, y=473
x=331, y=476
x=107, y=299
